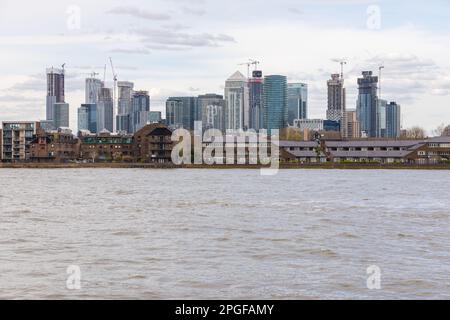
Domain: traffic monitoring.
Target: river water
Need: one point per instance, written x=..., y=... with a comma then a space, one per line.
x=231, y=234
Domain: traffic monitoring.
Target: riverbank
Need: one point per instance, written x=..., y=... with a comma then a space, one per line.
x=284, y=166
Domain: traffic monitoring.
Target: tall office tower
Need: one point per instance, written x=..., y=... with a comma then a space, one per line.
x=105, y=110
x=181, y=112
x=125, y=95
x=93, y=87
x=213, y=111
x=393, y=120
x=87, y=117
x=60, y=115
x=275, y=101
x=353, y=127
x=256, y=101
x=337, y=102
x=367, y=104
x=297, y=102
x=381, y=118
x=55, y=90
x=237, y=111
x=139, y=110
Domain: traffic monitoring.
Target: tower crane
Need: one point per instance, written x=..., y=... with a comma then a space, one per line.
x=255, y=63
x=248, y=64
x=115, y=104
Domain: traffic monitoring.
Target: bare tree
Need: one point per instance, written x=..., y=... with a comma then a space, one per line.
x=414, y=133
x=442, y=130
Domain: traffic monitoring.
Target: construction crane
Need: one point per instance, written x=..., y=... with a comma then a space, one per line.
x=342, y=63
x=255, y=63
x=379, y=80
x=104, y=74
x=115, y=103
x=248, y=64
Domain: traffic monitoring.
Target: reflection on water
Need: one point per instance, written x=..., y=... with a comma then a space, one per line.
x=204, y=234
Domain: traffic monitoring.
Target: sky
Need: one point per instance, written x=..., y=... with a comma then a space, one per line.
x=190, y=47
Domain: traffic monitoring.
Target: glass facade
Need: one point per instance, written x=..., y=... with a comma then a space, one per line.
x=367, y=105
x=276, y=101
x=393, y=120
x=297, y=102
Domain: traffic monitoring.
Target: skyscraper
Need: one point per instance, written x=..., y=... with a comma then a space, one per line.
x=182, y=112
x=123, y=117
x=393, y=120
x=92, y=90
x=60, y=115
x=139, y=110
x=87, y=117
x=213, y=111
x=55, y=90
x=367, y=104
x=237, y=113
x=353, y=127
x=275, y=101
x=381, y=118
x=337, y=102
x=105, y=110
x=256, y=101
x=297, y=102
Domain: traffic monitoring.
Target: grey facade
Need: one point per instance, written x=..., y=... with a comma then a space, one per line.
x=256, y=101
x=105, y=111
x=182, y=112
x=55, y=90
x=212, y=107
x=60, y=115
x=336, y=110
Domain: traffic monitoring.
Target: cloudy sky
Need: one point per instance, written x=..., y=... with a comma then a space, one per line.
x=189, y=47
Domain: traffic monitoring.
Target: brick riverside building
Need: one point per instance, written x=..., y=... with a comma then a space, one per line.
x=106, y=147
x=153, y=143
x=54, y=147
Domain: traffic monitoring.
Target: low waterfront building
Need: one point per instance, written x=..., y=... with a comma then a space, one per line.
x=58, y=146
x=16, y=139
x=433, y=151
x=382, y=151
x=153, y=143
x=302, y=151
x=106, y=147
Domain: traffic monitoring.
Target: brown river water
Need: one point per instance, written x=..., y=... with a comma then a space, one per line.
x=230, y=234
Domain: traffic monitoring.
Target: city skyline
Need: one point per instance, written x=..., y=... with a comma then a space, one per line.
x=196, y=58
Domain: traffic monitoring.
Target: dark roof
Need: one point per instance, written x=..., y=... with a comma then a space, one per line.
x=445, y=139
x=296, y=144
x=372, y=143
x=369, y=154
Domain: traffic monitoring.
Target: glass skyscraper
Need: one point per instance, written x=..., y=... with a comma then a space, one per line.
x=182, y=112
x=367, y=105
x=276, y=101
x=87, y=117
x=139, y=110
x=297, y=102
x=256, y=86
x=393, y=120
